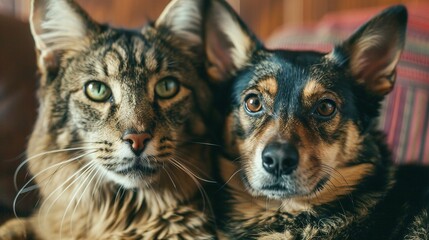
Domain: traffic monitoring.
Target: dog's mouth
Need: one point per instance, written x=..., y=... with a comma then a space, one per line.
x=290, y=188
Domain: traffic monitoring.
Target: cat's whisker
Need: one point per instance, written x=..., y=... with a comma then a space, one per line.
x=181, y=156
x=87, y=183
x=101, y=175
x=196, y=176
x=169, y=176
x=117, y=193
x=76, y=175
x=155, y=193
x=41, y=172
x=203, y=193
x=53, y=166
x=197, y=142
x=231, y=177
x=30, y=188
x=21, y=165
x=76, y=192
x=49, y=178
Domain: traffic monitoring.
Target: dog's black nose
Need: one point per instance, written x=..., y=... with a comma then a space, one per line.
x=280, y=158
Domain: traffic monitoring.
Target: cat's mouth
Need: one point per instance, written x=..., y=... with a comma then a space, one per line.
x=138, y=168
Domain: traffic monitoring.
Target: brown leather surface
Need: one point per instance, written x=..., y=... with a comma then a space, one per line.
x=17, y=105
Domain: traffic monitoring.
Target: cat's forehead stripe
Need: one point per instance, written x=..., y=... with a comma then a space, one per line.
x=139, y=48
x=120, y=48
x=112, y=63
x=151, y=61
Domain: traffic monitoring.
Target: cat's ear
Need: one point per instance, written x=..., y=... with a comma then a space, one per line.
x=59, y=27
x=373, y=51
x=183, y=19
x=229, y=44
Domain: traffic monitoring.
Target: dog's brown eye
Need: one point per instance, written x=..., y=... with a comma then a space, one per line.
x=326, y=108
x=253, y=104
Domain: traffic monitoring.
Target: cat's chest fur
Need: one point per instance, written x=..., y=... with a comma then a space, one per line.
x=77, y=204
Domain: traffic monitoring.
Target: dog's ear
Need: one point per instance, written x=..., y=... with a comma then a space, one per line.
x=184, y=20
x=59, y=27
x=229, y=44
x=373, y=51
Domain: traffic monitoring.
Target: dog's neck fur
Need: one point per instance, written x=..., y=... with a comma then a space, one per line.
x=331, y=210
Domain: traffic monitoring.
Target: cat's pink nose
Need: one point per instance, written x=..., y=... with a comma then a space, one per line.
x=137, y=141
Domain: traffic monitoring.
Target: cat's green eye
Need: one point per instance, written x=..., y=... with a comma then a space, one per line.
x=167, y=87
x=97, y=91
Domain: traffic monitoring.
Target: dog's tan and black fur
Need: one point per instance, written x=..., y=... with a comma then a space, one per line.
x=114, y=152
x=303, y=158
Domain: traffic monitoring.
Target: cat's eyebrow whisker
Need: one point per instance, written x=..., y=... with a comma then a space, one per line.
x=15, y=175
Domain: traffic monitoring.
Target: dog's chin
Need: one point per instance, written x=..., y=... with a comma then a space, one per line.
x=284, y=189
x=277, y=192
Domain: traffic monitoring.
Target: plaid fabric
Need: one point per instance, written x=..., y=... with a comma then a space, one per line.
x=405, y=113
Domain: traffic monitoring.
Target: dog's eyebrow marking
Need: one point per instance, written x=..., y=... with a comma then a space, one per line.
x=268, y=85
x=311, y=88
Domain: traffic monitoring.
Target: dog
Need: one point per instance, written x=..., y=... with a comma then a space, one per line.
x=303, y=159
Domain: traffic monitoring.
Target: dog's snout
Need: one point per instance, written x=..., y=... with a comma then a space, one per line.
x=280, y=158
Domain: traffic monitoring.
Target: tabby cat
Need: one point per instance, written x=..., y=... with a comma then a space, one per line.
x=117, y=151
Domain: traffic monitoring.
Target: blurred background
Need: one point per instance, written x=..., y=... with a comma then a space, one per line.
x=293, y=24
x=263, y=16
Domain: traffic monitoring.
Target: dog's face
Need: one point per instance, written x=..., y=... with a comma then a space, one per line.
x=299, y=120
x=295, y=120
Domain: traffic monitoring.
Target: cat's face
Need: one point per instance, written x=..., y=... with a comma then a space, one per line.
x=133, y=100
x=132, y=85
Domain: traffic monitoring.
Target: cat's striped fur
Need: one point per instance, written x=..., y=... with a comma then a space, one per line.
x=91, y=184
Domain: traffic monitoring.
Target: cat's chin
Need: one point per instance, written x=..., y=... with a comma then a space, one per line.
x=131, y=180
